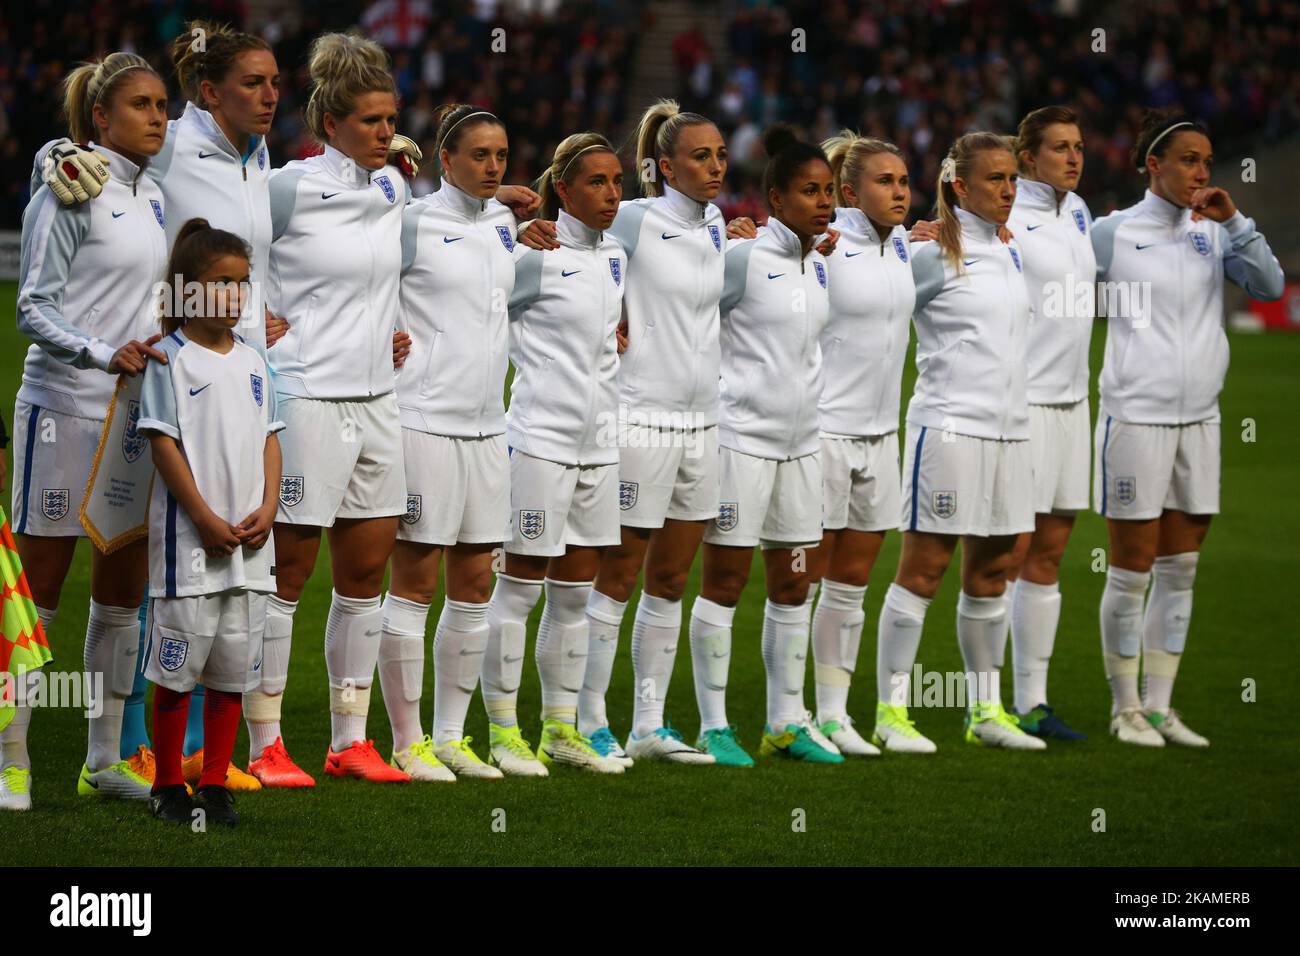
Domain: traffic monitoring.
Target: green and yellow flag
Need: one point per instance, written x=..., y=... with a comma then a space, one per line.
x=22, y=639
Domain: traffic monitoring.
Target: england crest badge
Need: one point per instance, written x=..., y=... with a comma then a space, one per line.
x=627, y=493
x=716, y=235
x=172, y=653
x=256, y=381
x=157, y=211
x=506, y=239
x=133, y=443
x=1081, y=222
x=900, y=248
x=945, y=504
x=616, y=269
x=1126, y=490
x=291, y=489
x=55, y=502
x=531, y=523
x=728, y=515
x=386, y=185
x=1200, y=242
x=414, y=508
x=821, y=274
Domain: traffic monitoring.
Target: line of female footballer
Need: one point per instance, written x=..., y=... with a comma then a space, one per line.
x=329, y=356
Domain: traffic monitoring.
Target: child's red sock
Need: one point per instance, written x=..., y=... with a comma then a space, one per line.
x=220, y=725
x=169, y=712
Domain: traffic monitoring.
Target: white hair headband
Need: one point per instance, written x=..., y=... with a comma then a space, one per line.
x=584, y=149
x=447, y=134
x=1160, y=137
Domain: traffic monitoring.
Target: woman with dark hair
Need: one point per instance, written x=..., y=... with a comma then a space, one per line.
x=1156, y=447
x=774, y=307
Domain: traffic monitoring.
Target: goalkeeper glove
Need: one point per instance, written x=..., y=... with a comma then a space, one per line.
x=73, y=172
x=405, y=154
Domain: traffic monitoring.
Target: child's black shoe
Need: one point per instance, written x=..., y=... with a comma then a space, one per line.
x=218, y=804
x=172, y=804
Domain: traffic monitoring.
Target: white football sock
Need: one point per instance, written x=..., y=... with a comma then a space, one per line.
x=561, y=651
x=655, y=631
x=1121, y=634
x=604, y=620
x=111, y=656
x=981, y=632
x=458, y=648
x=898, y=636
x=13, y=739
x=1164, y=631
x=1035, y=613
x=785, y=661
x=710, y=659
x=836, y=634
x=262, y=706
x=401, y=666
x=352, y=636
x=513, y=599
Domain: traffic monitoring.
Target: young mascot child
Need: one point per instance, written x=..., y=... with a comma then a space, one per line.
x=210, y=415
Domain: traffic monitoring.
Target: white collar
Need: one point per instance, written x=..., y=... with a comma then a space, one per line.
x=852, y=220
x=1033, y=194
x=346, y=169
x=459, y=201
x=573, y=232
x=119, y=167
x=207, y=124
x=784, y=238
x=683, y=206
x=976, y=227
x=1162, y=210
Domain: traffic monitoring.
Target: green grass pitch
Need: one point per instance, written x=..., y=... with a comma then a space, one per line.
x=1230, y=805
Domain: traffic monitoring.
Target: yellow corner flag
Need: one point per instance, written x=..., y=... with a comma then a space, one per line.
x=22, y=639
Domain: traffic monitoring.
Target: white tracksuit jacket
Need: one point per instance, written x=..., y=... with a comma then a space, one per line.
x=458, y=272
x=564, y=316
x=335, y=270
x=1166, y=365
x=972, y=330
x=774, y=307
x=676, y=252
x=1060, y=274
x=865, y=340
x=87, y=278
x=203, y=175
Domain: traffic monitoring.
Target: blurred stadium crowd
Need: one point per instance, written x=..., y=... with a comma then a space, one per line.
x=917, y=72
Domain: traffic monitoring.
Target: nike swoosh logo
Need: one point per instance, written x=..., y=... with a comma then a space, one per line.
x=92, y=783
x=576, y=656
x=717, y=655
x=777, y=276
x=567, y=274
x=970, y=262
x=513, y=660
x=1032, y=228
x=1147, y=246
x=328, y=195
x=203, y=155
x=372, y=633
x=673, y=236
x=450, y=239
x=465, y=653
x=850, y=255
x=671, y=650
x=195, y=391
x=117, y=214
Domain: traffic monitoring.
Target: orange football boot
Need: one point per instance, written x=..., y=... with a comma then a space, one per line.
x=362, y=760
x=275, y=768
x=236, y=779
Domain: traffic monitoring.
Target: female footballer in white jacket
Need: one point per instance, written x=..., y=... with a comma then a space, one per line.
x=774, y=306
x=458, y=271
x=1052, y=226
x=561, y=430
x=967, y=473
x=863, y=348
x=1156, y=447
x=215, y=166
x=336, y=258
x=675, y=240
x=85, y=299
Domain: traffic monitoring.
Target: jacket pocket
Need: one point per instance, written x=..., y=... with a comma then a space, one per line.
x=305, y=333
x=428, y=365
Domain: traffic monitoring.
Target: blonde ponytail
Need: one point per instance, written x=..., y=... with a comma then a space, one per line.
x=565, y=166
x=93, y=83
x=656, y=136
x=343, y=67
